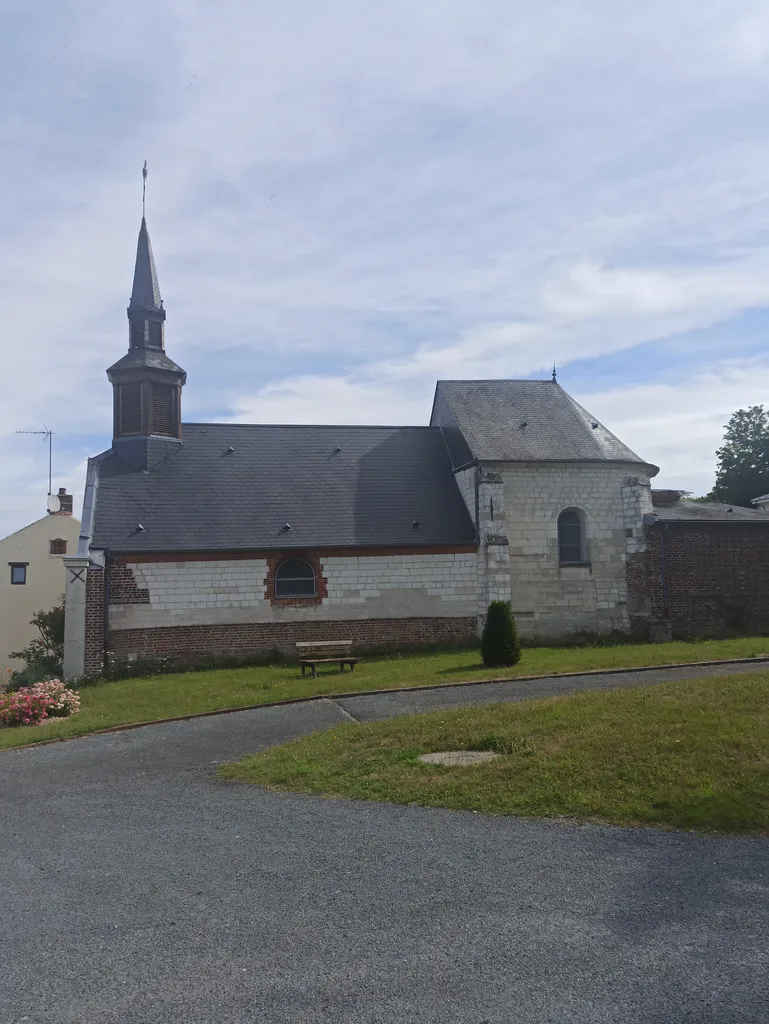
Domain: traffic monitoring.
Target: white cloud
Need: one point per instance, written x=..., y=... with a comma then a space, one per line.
x=585, y=312
x=679, y=426
x=589, y=291
x=333, y=400
x=27, y=470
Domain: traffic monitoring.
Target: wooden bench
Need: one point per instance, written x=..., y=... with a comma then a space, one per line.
x=322, y=652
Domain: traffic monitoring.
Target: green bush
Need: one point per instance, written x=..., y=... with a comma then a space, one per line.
x=43, y=655
x=37, y=672
x=143, y=668
x=500, y=644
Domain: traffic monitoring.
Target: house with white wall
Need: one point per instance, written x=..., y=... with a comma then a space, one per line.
x=32, y=576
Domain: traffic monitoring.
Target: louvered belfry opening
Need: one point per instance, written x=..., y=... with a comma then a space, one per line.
x=138, y=333
x=163, y=419
x=131, y=408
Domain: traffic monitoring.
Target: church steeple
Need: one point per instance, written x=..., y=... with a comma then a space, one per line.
x=146, y=384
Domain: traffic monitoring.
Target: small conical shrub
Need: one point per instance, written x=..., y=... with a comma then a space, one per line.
x=500, y=644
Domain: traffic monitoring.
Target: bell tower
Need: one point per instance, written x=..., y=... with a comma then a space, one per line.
x=146, y=384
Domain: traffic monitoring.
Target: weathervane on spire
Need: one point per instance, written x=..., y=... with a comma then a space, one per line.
x=144, y=185
x=554, y=373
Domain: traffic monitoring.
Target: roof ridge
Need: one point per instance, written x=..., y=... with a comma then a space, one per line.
x=34, y=522
x=603, y=427
x=496, y=380
x=316, y=426
x=578, y=410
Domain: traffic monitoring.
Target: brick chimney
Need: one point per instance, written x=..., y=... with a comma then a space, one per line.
x=65, y=503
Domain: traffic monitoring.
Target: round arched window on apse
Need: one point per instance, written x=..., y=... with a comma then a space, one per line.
x=571, y=537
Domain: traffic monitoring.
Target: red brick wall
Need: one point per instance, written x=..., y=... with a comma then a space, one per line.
x=192, y=641
x=94, y=621
x=717, y=577
x=123, y=588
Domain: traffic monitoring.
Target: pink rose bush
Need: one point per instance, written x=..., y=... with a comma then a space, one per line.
x=33, y=705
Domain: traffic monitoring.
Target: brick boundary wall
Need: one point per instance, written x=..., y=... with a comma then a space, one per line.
x=243, y=638
x=94, y=621
x=717, y=578
x=644, y=584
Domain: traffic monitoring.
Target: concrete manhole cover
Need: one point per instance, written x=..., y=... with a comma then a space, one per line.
x=459, y=757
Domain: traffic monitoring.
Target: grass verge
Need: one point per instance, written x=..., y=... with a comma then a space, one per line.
x=167, y=696
x=691, y=755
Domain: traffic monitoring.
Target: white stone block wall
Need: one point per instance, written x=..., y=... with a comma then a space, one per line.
x=546, y=597
x=636, y=503
x=359, y=587
x=177, y=588
x=493, y=553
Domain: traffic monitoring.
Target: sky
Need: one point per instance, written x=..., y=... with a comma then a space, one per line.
x=350, y=200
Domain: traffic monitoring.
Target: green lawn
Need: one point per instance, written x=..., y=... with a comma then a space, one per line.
x=689, y=755
x=166, y=696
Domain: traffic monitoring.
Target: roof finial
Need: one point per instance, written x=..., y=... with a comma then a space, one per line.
x=554, y=372
x=144, y=186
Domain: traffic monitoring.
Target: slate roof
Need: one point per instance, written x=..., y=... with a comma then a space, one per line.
x=197, y=496
x=146, y=290
x=154, y=358
x=709, y=512
x=523, y=421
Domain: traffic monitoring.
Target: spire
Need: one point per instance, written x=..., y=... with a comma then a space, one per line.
x=147, y=384
x=555, y=374
x=145, y=293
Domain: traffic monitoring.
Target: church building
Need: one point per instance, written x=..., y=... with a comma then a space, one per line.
x=220, y=539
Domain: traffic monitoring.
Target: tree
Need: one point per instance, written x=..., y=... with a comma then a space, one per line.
x=44, y=654
x=743, y=459
x=500, y=644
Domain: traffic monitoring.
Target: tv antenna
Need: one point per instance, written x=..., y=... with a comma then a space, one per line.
x=48, y=436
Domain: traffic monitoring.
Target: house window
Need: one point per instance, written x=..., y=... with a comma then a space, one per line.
x=571, y=537
x=58, y=546
x=294, y=578
x=18, y=573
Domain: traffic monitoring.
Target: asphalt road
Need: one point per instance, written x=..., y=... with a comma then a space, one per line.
x=136, y=887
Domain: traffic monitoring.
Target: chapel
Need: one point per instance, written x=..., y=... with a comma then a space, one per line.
x=221, y=539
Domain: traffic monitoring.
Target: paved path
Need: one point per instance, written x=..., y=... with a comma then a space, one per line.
x=136, y=888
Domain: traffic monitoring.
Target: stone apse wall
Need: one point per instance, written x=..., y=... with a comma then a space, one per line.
x=519, y=505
